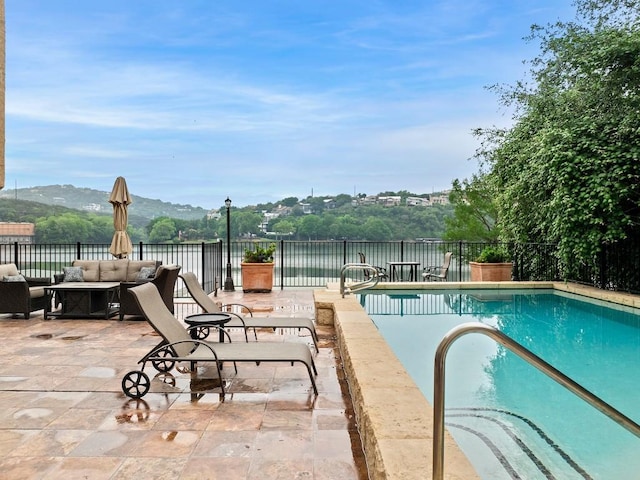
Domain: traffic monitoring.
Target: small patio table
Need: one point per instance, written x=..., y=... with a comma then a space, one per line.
x=200, y=323
x=398, y=267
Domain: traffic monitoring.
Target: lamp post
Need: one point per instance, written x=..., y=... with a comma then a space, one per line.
x=228, y=283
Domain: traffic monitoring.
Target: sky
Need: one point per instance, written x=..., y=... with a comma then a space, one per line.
x=195, y=101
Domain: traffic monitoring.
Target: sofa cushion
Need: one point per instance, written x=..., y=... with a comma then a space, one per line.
x=13, y=278
x=73, y=274
x=113, y=270
x=8, y=269
x=90, y=269
x=134, y=267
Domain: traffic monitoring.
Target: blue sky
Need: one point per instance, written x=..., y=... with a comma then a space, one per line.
x=193, y=101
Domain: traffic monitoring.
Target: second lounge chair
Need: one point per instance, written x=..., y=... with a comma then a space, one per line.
x=209, y=306
x=178, y=346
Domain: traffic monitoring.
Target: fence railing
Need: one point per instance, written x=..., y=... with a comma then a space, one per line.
x=316, y=263
x=46, y=260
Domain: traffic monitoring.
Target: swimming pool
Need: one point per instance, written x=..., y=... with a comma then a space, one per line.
x=510, y=419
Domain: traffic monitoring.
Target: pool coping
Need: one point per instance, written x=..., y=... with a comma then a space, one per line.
x=394, y=419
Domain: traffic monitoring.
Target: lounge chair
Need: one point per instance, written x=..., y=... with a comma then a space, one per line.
x=381, y=271
x=438, y=273
x=239, y=321
x=178, y=346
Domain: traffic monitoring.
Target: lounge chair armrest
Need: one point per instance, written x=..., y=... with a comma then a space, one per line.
x=169, y=345
x=14, y=289
x=225, y=305
x=239, y=317
x=38, y=281
x=58, y=278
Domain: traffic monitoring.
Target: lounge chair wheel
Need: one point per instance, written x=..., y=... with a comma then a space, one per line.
x=164, y=365
x=200, y=333
x=136, y=384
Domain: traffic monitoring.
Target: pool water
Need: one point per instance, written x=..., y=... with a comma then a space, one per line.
x=510, y=419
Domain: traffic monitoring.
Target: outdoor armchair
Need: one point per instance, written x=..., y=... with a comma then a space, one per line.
x=382, y=272
x=164, y=280
x=20, y=294
x=438, y=273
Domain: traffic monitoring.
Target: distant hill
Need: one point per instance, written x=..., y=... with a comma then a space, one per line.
x=96, y=201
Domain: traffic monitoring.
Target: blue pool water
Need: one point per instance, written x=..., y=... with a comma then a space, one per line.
x=510, y=419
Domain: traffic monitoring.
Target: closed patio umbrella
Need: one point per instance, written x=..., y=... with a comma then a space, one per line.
x=120, y=199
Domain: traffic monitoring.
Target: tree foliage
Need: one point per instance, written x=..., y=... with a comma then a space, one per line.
x=568, y=170
x=474, y=214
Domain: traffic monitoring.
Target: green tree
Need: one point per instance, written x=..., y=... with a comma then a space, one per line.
x=567, y=171
x=65, y=228
x=289, y=201
x=163, y=230
x=375, y=229
x=245, y=223
x=474, y=211
x=284, y=227
x=310, y=227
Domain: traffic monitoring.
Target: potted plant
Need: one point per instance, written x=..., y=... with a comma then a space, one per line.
x=492, y=265
x=257, y=268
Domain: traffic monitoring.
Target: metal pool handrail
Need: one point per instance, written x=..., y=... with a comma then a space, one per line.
x=354, y=287
x=439, y=385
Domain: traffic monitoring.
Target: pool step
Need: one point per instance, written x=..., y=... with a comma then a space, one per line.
x=510, y=446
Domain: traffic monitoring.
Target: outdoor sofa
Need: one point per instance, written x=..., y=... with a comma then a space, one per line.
x=128, y=273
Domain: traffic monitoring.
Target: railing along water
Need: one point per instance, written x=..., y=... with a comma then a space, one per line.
x=316, y=263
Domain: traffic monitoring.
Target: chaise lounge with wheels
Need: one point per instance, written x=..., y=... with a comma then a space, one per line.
x=178, y=346
x=239, y=321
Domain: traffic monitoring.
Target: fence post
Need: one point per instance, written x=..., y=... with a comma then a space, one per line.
x=78, y=250
x=459, y=260
x=203, y=273
x=344, y=252
x=15, y=255
x=282, y=264
x=140, y=253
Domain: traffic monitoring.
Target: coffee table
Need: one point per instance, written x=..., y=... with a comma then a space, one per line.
x=83, y=299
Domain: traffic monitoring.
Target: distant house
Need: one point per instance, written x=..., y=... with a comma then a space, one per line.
x=369, y=200
x=17, y=232
x=391, y=201
x=418, y=202
x=329, y=203
x=306, y=208
x=442, y=199
x=92, y=207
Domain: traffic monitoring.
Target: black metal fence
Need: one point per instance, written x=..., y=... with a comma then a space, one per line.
x=45, y=260
x=316, y=263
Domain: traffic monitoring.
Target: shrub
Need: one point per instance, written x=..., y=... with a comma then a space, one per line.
x=493, y=254
x=259, y=254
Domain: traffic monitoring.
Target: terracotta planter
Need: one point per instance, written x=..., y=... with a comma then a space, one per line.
x=257, y=277
x=491, y=272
